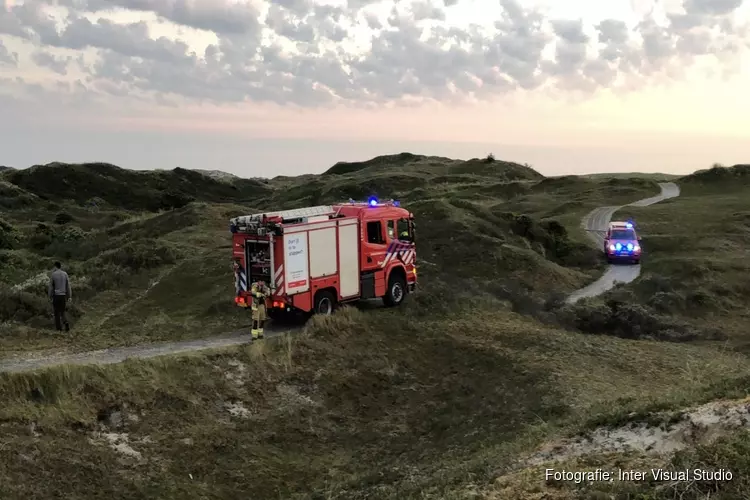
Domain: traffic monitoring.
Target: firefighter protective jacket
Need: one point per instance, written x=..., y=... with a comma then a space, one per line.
x=259, y=291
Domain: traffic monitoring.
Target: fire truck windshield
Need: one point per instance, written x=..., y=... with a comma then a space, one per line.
x=404, y=229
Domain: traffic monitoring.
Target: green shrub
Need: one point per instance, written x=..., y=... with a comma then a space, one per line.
x=22, y=306
x=554, y=239
x=63, y=218
x=621, y=315
x=13, y=198
x=174, y=199
x=73, y=233
x=31, y=307
x=106, y=277
x=14, y=265
x=140, y=255
x=666, y=302
x=8, y=236
x=41, y=237
x=70, y=243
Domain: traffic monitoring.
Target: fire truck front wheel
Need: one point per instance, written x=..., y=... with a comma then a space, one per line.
x=325, y=303
x=396, y=291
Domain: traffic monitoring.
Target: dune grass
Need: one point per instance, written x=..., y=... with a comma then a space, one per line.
x=441, y=398
x=359, y=405
x=141, y=275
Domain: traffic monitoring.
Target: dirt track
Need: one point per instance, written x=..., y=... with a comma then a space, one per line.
x=120, y=354
x=596, y=224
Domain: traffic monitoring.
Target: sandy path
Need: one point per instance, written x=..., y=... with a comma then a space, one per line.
x=120, y=354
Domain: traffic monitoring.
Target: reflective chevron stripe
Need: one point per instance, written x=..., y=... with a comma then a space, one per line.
x=279, y=280
x=242, y=279
x=402, y=251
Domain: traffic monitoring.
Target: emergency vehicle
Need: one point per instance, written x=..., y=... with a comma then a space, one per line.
x=315, y=258
x=622, y=243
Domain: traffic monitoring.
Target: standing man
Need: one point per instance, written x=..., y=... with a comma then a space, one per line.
x=60, y=293
x=260, y=292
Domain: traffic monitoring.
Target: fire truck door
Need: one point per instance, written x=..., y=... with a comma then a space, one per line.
x=374, y=246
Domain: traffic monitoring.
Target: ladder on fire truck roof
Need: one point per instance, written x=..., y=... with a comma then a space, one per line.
x=307, y=214
x=288, y=215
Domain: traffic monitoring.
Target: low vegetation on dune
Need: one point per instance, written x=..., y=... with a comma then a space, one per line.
x=89, y=184
x=401, y=407
x=489, y=226
x=469, y=390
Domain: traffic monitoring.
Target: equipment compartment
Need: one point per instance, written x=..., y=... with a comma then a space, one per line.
x=258, y=258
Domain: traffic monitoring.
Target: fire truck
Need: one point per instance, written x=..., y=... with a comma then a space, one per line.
x=315, y=258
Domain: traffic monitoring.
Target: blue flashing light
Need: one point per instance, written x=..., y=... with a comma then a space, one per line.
x=629, y=225
x=618, y=246
x=396, y=203
x=630, y=247
x=372, y=201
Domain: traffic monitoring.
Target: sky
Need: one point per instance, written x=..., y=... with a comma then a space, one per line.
x=287, y=87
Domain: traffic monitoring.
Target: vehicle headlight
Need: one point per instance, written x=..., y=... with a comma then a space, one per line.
x=636, y=248
x=612, y=248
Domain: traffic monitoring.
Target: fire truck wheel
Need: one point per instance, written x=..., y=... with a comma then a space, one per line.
x=396, y=291
x=324, y=303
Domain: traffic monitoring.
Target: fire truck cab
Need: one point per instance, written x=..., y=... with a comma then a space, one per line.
x=315, y=258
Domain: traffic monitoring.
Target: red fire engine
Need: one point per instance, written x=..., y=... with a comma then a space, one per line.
x=317, y=257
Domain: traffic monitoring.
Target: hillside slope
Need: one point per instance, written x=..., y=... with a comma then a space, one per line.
x=130, y=189
x=439, y=166
x=444, y=397
x=492, y=223
x=717, y=178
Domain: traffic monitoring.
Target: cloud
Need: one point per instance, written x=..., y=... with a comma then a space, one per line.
x=219, y=16
x=423, y=9
x=131, y=40
x=712, y=7
x=7, y=57
x=308, y=54
x=44, y=59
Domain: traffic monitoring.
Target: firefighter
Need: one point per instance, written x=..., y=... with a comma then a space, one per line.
x=259, y=292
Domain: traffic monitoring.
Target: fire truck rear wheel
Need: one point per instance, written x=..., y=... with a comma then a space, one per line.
x=396, y=291
x=325, y=303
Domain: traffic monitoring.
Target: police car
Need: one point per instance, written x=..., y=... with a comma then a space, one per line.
x=621, y=243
